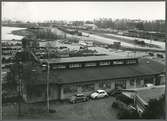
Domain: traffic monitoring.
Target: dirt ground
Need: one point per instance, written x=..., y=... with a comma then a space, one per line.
x=100, y=109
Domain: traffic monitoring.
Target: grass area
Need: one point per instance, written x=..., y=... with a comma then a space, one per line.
x=24, y=32
x=92, y=110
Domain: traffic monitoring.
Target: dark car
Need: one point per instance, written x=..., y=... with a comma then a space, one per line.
x=78, y=98
x=114, y=92
x=160, y=56
x=151, y=54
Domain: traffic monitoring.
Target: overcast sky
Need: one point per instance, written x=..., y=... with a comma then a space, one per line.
x=41, y=11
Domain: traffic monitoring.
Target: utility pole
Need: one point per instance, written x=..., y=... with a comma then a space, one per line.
x=48, y=105
x=19, y=87
x=48, y=73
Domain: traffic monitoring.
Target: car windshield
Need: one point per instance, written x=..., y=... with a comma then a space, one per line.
x=100, y=91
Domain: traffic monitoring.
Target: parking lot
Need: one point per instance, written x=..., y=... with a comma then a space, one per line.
x=90, y=110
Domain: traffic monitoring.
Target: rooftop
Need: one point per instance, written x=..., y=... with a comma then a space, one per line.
x=97, y=73
x=151, y=93
x=146, y=93
x=83, y=59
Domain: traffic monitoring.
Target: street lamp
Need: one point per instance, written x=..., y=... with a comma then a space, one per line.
x=48, y=74
x=47, y=84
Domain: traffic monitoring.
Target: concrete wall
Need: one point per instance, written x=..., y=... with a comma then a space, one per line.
x=64, y=95
x=96, y=86
x=128, y=86
x=137, y=83
x=57, y=92
x=162, y=79
x=53, y=94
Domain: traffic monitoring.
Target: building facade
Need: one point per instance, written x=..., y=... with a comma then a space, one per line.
x=69, y=76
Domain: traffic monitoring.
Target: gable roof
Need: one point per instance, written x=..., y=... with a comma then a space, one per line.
x=97, y=73
x=151, y=93
x=84, y=59
x=145, y=94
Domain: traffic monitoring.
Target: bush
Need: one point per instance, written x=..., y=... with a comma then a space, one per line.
x=155, y=109
x=115, y=105
x=126, y=114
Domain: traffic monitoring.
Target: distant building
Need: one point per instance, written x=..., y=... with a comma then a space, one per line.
x=69, y=76
x=11, y=50
x=146, y=34
x=91, y=26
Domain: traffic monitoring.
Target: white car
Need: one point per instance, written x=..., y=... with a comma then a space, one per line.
x=99, y=94
x=149, y=85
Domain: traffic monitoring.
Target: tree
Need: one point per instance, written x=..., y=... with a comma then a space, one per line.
x=155, y=109
x=127, y=114
x=140, y=26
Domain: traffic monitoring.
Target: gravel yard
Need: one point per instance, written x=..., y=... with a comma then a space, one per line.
x=94, y=109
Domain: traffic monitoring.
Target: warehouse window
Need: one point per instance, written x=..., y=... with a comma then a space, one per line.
x=76, y=65
x=131, y=82
x=120, y=84
x=70, y=89
x=105, y=84
x=104, y=63
x=88, y=87
x=148, y=80
x=118, y=62
x=138, y=82
x=58, y=67
x=131, y=61
x=90, y=64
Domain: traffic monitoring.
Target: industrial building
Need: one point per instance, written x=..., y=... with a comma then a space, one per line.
x=68, y=76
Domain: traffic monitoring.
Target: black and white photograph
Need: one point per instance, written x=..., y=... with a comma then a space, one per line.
x=82, y=60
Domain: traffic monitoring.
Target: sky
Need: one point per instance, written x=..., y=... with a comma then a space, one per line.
x=70, y=11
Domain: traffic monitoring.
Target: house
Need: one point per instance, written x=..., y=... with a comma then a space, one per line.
x=68, y=76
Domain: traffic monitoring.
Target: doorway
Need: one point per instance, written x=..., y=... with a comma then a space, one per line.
x=120, y=84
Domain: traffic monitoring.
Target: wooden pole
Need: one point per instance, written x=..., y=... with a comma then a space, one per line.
x=19, y=88
x=48, y=87
x=48, y=70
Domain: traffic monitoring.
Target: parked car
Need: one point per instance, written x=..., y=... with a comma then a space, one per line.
x=160, y=56
x=99, y=94
x=123, y=98
x=78, y=98
x=114, y=92
x=151, y=54
x=149, y=85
